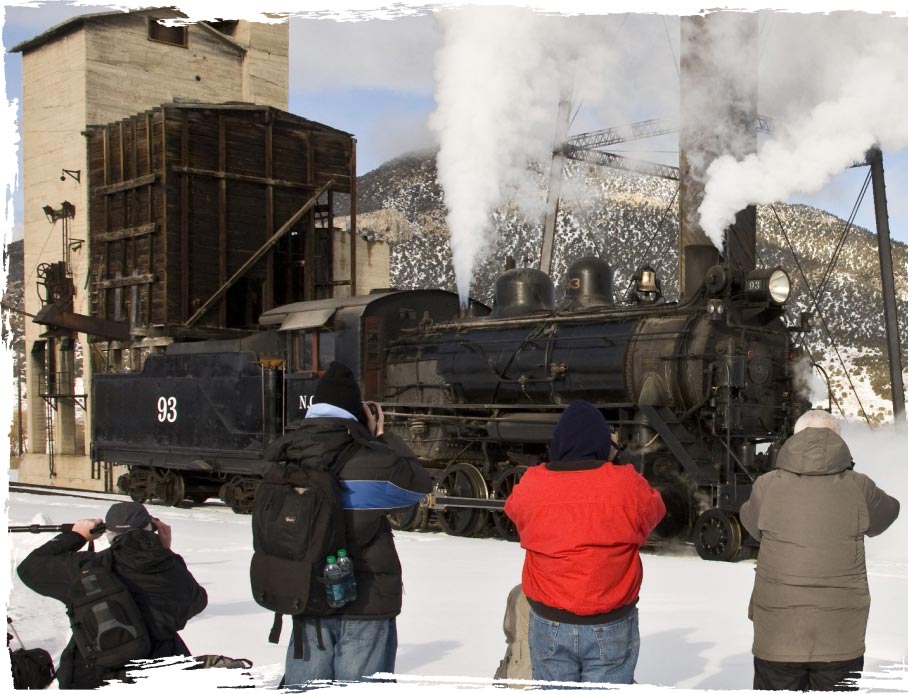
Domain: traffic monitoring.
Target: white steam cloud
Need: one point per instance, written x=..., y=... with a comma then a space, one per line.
x=499, y=76
x=878, y=454
x=836, y=85
x=488, y=77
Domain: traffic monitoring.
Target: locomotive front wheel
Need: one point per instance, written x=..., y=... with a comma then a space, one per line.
x=502, y=486
x=171, y=488
x=717, y=535
x=462, y=479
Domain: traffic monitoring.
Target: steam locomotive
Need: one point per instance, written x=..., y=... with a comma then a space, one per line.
x=699, y=392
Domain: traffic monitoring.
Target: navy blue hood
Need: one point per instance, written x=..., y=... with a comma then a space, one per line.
x=581, y=434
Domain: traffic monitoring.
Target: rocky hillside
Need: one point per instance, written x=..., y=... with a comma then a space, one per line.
x=624, y=219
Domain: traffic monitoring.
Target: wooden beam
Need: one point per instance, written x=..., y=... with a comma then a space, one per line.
x=127, y=233
x=105, y=224
x=149, y=216
x=309, y=236
x=268, y=288
x=134, y=203
x=125, y=281
x=124, y=212
x=126, y=185
x=353, y=235
x=222, y=215
x=258, y=254
x=266, y=180
x=184, y=220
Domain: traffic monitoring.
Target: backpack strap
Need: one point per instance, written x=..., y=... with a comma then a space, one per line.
x=275, y=634
x=318, y=633
x=299, y=637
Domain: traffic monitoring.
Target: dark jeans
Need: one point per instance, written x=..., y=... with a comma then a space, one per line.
x=824, y=677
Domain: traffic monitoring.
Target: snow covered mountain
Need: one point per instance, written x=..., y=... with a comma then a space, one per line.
x=630, y=219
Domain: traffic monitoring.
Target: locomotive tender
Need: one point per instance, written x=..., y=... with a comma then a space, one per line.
x=700, y=392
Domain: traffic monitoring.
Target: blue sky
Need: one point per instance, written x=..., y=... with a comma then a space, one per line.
x=375, y=79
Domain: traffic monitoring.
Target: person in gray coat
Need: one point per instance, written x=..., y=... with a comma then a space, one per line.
x=811, y=599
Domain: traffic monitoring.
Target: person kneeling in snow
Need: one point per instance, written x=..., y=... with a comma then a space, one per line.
x=582, y=520
x=161, y=587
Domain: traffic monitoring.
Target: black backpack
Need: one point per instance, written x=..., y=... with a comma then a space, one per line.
x=33, y=668
x=297, y=521
x=107, y=627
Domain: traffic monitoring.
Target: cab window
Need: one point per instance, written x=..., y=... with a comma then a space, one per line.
x=313, y=350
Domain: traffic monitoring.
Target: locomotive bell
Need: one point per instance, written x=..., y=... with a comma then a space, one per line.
x=522, y=291
x=589, y=284
x=647, y=286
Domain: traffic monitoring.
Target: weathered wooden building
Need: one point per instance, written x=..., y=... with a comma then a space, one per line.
x=97, y=69
x=203, y=216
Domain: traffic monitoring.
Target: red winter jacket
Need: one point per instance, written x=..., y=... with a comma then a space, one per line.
x=582, y=525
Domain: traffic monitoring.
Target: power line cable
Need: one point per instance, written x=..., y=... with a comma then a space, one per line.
x=829, y=336
x=671, y=49
x=821, y=289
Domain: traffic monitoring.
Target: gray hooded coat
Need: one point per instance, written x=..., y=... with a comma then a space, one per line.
x=810, y=599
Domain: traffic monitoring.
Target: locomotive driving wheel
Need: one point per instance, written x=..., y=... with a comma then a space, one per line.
x=462, y=479
x=502, y=486
x=717, y=535
x=171, y=487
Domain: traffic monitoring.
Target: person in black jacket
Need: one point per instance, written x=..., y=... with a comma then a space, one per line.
x=380, y=474
x=164, y=590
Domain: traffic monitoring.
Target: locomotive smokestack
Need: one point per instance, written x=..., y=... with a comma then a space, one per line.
x=718, y=116
x=698, y=259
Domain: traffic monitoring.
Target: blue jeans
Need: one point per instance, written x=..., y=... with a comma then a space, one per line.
x=354, y=649
x=562, y=652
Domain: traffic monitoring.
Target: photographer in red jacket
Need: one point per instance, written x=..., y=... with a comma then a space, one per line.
x=582, y=520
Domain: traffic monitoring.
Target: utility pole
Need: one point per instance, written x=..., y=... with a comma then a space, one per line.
x=555, y=175
x=890, y=313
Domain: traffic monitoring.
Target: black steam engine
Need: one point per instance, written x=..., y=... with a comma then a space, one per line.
x=699, y=392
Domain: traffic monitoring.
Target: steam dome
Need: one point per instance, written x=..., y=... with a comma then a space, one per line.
x=522, y=291
x=588, y=285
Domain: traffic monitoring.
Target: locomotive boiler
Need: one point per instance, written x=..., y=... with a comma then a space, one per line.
x=700, y=392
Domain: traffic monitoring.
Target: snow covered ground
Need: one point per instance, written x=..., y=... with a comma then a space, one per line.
x=693, y=614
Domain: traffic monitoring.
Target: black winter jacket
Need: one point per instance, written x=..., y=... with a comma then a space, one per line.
x=165, y=592
x=379, y=475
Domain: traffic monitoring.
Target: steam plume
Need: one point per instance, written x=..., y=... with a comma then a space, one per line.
x=488, y=114
x=851, y=93
x=499, y=76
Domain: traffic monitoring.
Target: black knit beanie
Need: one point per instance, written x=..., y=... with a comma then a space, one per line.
x=581, y=434
x=338, y=387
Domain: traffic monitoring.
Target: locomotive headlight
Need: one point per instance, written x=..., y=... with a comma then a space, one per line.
x=769, y=285
x=779, y=286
